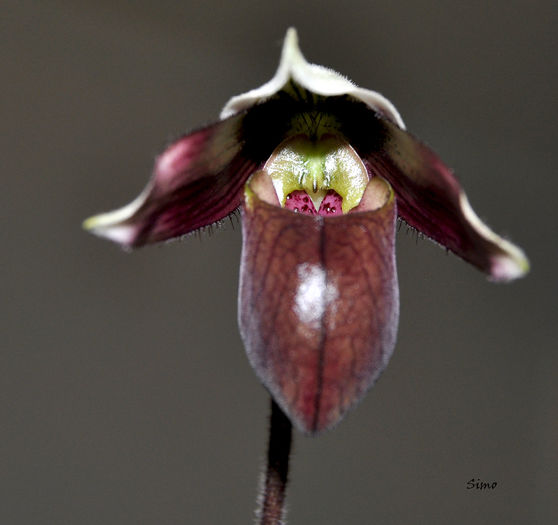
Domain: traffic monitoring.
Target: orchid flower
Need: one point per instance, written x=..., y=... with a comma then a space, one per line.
x=321, y=170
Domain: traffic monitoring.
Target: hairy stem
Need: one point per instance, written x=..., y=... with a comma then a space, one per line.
x=272, y=511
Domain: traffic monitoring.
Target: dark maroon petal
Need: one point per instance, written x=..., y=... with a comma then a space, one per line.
x=429, y=197
x=197, y=181
x=319, y=306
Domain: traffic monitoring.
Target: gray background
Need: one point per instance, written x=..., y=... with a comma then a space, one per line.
x=125, y=395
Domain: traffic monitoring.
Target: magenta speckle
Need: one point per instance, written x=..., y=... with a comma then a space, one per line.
x=299, y=202
x=331, y=205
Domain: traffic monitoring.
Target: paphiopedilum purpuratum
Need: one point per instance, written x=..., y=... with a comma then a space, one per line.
x=321, y=170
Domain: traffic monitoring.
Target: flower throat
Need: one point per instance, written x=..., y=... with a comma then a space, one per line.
x=324, y=176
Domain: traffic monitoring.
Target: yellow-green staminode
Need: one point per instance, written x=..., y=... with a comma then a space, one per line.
x=316, y=166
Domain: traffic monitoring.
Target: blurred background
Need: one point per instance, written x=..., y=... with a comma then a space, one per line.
x=125, y=394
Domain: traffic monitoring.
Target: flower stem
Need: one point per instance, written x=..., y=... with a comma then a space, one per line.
x=272, y=511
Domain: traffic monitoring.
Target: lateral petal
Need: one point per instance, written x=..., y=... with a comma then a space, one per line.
x=196, y=181
x=429, y=196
